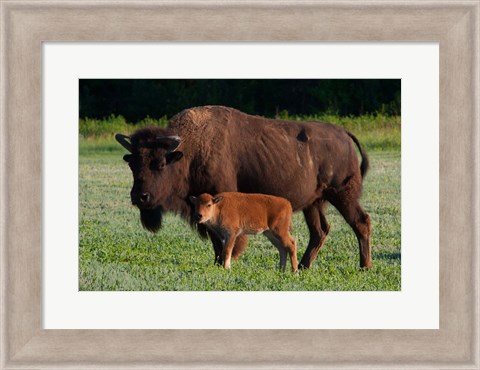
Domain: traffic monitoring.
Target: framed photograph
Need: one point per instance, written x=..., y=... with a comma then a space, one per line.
x=81, y=286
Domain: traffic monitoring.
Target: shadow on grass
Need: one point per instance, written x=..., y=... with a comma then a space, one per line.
x=389, y=256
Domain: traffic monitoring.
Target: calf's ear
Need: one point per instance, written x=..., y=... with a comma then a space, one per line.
x=217, y=199
x=192, y=199
x=127, y=157
x=173, y=157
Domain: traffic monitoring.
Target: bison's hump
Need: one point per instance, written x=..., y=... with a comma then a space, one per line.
x=199, y=116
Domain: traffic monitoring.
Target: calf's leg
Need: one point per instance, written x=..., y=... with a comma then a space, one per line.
x=281, y=249
x=227, y=250
x=240, y=246
x=291, y=246
x=292, y=250
x=285, y=244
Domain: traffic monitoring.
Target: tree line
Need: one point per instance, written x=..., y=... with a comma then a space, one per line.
x=154, y=98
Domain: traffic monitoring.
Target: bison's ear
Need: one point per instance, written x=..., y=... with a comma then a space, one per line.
x=192, y=199
x=173, y=157
x=170, y=143
x=127, y=157
x=217, y=199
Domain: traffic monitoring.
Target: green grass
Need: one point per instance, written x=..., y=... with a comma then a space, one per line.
x=116, y=253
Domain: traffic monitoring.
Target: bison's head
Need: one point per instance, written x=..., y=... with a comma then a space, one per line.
x=152, y=155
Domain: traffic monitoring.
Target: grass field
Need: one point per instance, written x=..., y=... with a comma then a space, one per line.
x=116, y=253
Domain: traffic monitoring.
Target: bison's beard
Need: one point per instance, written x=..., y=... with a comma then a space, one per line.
x=151, y=219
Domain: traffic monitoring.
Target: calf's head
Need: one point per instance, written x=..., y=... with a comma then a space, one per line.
x=150, y=159
x=205, y=207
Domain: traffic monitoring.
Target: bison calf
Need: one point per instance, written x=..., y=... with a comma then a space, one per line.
x=230, y=215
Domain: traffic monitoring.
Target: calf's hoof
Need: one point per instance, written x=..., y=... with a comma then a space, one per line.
x=366, y=265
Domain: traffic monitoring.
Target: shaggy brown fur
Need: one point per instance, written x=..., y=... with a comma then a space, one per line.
x=222, y=149
x=230, y=215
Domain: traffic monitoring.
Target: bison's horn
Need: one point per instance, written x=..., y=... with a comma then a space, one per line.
x=169, y=142
x=122, y=139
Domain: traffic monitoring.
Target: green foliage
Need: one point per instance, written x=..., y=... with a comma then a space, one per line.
x=117, y=254
x=107, y=127
x=136, y=99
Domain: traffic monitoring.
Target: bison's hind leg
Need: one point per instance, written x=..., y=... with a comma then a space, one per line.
x=360, y=223
x=347, y=203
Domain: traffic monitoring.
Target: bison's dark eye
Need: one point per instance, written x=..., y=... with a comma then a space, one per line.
x=173, y=157
x=127, y=157
x=156, y=165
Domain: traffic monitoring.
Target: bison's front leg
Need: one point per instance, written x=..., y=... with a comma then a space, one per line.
x=318, y=228
x=217, y=247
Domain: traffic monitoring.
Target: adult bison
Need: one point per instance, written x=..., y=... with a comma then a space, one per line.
x=215, y=149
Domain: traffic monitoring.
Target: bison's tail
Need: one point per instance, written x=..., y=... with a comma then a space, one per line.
x=365, y=163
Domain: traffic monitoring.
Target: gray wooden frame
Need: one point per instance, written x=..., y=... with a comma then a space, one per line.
x=26, y=24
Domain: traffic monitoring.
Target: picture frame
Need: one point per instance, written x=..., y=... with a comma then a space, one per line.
x=25, y=25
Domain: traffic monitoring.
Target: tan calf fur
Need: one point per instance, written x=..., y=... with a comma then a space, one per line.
x=232, y=214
